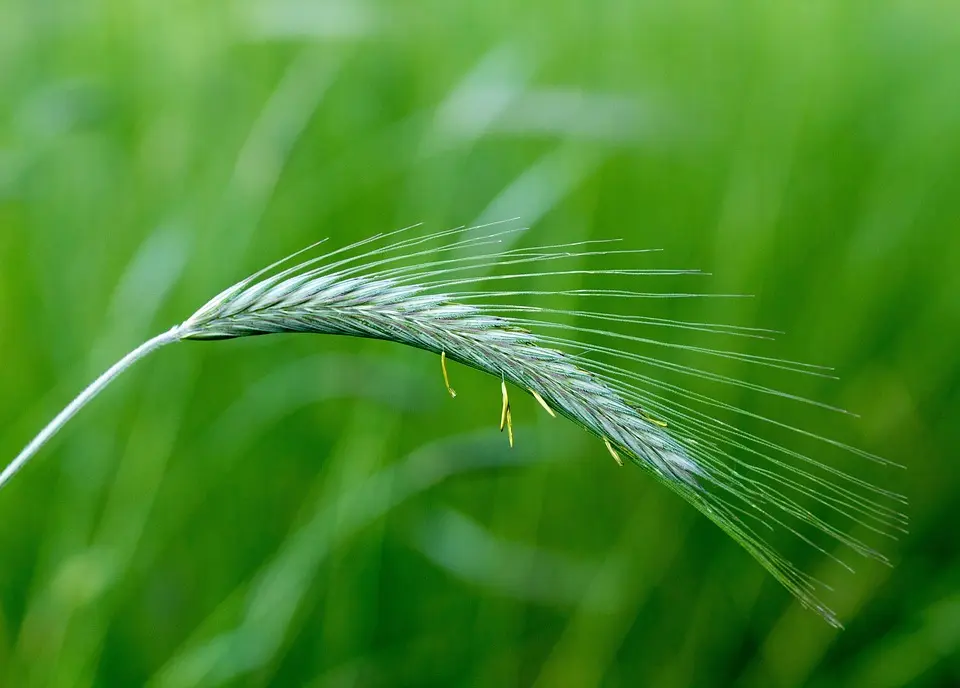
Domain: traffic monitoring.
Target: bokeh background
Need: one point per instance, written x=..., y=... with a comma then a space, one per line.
x=315, y=511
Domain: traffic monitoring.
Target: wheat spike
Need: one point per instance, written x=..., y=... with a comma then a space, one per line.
x=399, y=292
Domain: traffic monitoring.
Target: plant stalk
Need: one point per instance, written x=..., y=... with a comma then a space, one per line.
x=85, y=397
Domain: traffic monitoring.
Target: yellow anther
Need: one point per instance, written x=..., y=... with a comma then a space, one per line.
x=505, y=409
x=649, y=418
x=446, y=376
x=613, y=452
x=506, y=415
x=543, y=403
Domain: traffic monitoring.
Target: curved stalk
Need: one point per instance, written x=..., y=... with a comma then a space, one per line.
x=85, y=397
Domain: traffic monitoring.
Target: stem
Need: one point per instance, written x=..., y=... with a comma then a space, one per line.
x=85, y=397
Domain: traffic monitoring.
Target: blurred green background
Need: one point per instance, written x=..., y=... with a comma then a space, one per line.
x=315, y=511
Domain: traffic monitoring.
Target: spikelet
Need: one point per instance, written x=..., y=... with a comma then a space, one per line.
x=398, y=292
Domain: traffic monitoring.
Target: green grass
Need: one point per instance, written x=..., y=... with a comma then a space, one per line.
x=154, y=153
